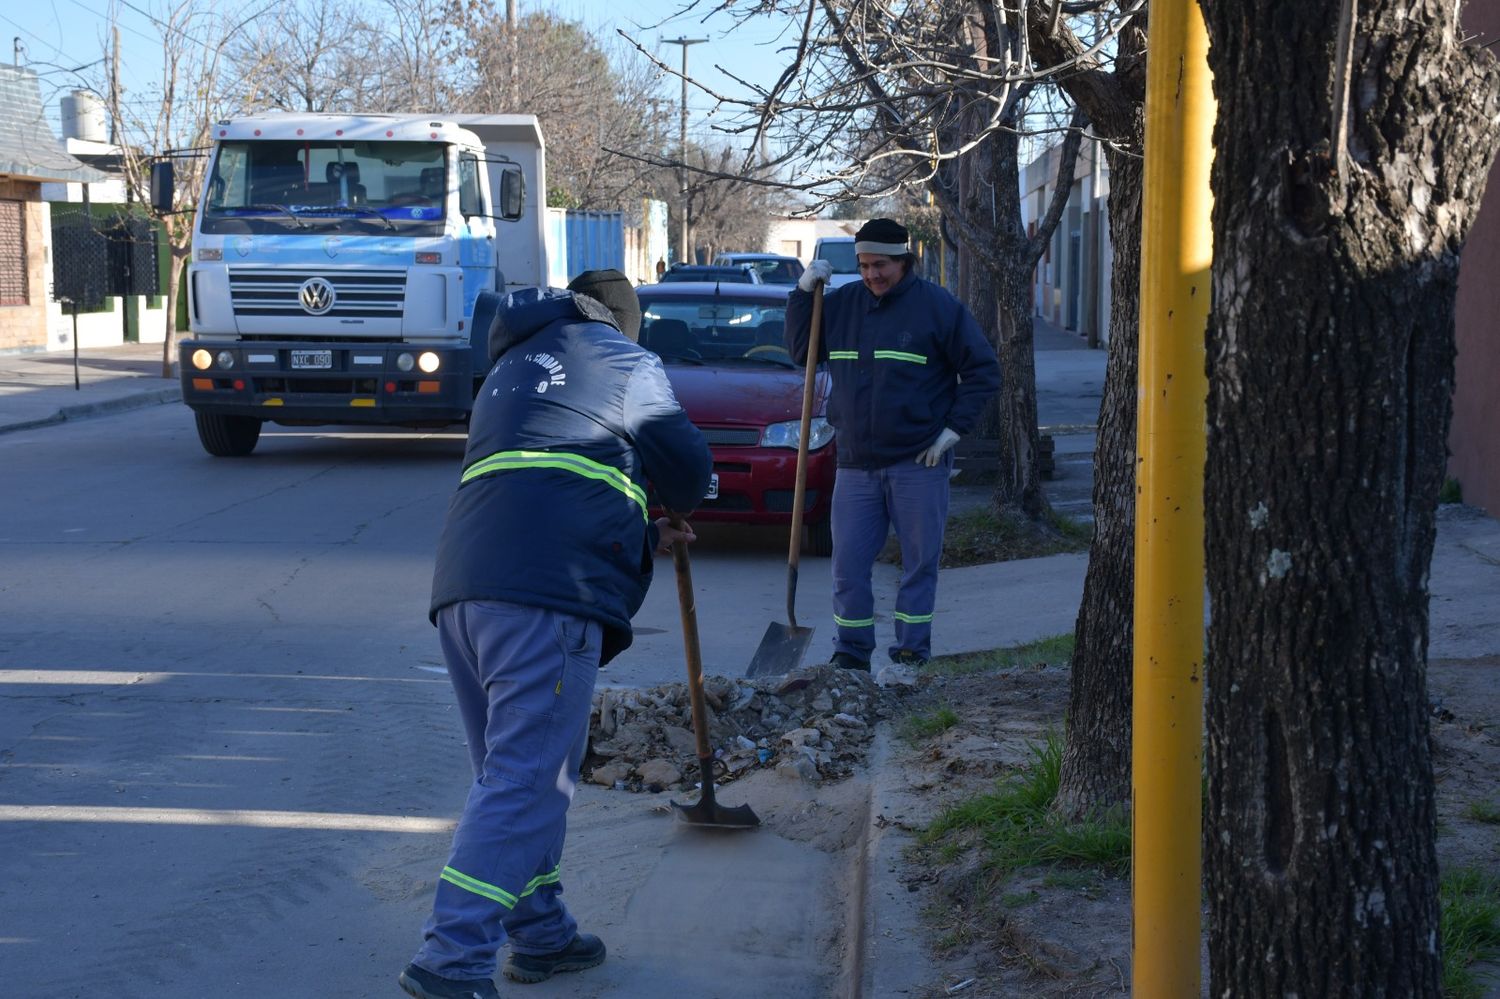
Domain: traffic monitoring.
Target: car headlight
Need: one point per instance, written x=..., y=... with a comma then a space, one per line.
x=786, y=434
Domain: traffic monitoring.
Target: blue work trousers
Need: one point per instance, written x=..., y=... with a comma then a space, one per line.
x=524, y=679
x=867, y=504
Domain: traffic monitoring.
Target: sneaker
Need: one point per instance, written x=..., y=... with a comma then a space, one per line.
x=906, y=657
x=586, y=951
x=423, y=984
x=846, y=660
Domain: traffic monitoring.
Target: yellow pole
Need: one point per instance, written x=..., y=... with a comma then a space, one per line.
x=1176, y=250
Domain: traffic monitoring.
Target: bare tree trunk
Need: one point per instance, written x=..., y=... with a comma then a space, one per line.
x=169, y=340
x=1096, y=752
x=1340, y=210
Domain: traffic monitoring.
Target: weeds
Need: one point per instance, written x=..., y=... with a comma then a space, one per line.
x=1017, y=828
x=1451, y=492
x=1484, y=811
x=1052, y=650
x=980, y=535
x=1470, y=928
x=925, y=726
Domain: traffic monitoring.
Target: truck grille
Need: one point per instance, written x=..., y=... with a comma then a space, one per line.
x=356, y=294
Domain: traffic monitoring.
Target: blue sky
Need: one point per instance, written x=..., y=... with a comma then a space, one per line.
x=54, y=37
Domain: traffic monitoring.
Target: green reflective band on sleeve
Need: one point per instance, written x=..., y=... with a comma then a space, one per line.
x=505, y=898
x=844, y=622
x=900, y=355
x=504, y=461
x=914, y=618
x=843, y=355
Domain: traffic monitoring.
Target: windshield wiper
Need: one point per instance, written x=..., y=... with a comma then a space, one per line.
x=353, y=209
x=283, y=209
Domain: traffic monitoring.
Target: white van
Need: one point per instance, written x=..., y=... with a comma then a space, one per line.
x=838, y=251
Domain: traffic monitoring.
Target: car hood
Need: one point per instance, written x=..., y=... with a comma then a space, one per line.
x=742, y=394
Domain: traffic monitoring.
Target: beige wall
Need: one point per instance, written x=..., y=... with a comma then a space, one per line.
x=26, y=325
x=1474, y=441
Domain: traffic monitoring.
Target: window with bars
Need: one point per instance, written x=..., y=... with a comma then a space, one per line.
x=13, y=284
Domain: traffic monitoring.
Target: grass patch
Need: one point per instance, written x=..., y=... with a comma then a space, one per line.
x=1016, y=828
x=924, y=726
x=1451, y=492
x=1484, y=811
x=1052, y=650
x=1470, y=928
x=980, y=535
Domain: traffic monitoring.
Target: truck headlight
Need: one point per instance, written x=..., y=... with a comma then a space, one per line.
x=786, y=434
x=406, y=362
x=428, y=361
x=225, y=359
x=202, y=359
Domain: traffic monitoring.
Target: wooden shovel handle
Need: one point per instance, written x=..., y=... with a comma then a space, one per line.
x=799, y=493
x=690, y=647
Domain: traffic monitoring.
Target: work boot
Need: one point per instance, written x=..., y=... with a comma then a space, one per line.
x=847, y=660
x=586, y=951
x=423, y=984
x=906, y=657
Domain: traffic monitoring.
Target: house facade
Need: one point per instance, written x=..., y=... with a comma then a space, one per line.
x=1070, y=287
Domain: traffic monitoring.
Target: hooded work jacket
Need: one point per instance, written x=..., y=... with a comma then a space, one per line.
x=903, y=367
x=569, y=427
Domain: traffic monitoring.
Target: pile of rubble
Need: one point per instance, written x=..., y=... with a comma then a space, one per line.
x=813, y=723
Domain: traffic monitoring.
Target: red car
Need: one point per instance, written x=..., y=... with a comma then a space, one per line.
x=724, y=352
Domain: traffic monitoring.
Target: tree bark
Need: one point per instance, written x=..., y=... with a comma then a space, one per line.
x=1351, y=152
x=1096, y=750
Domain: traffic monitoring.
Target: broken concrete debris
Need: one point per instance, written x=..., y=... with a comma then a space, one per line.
x=814, y=723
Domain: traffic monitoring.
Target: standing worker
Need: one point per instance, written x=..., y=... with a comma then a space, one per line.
x=911, y=372
x=545, y=555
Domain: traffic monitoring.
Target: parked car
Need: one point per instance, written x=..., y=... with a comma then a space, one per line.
x=839, y=252
x=773, y=268
x=698, y=272
x=724, y=351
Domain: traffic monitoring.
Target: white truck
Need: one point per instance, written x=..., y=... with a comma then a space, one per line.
x=336, y=260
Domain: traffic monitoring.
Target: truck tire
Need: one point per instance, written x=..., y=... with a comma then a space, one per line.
x=227, y=436
x=820, y=538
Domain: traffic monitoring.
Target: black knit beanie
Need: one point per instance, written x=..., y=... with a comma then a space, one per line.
x=885, y=236
x=617, y=294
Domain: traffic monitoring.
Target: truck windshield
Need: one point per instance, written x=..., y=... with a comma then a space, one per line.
x=840, y=255
x=268, y=185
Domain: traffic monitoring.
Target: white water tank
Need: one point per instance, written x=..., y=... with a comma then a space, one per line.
x=83, y=117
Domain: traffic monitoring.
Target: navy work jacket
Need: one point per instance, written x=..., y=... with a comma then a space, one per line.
x=903, y=367
x=571, y=424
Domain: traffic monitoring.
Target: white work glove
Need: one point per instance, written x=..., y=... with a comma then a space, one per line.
x=818, y=270
x=938, y=448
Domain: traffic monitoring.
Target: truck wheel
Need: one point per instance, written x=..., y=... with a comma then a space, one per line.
x=227, y=436
x=820, y=538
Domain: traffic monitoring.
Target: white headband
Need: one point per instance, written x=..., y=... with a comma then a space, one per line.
x=889, y=249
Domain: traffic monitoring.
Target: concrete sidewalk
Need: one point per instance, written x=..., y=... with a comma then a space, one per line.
x=38, y=388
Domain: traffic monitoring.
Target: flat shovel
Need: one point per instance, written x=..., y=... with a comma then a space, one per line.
x=706, y=812
x=783, y=645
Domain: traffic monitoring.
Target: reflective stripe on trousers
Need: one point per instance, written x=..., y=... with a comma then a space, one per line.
x=524, y=679
x=912, y=499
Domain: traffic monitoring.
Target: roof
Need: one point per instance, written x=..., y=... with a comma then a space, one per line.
x=28, y=149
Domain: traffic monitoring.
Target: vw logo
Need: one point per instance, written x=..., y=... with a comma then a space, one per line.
x=316, y=296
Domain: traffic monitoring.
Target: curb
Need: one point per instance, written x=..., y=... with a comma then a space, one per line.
x=891, y=957
x=85, y=410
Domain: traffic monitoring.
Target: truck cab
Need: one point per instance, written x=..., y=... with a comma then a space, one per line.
x=335, y=264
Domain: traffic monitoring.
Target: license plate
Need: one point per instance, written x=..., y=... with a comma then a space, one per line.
x=314, y=359
x=713, y=486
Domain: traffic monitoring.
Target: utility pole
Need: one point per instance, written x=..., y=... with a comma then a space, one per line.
x=513, y=39
x=114, y=88
x=684, y=245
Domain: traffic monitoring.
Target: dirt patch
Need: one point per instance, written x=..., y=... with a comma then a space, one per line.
x=1066, y=931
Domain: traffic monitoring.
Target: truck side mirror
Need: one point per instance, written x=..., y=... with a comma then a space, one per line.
x=161, y=187
x=512, y=192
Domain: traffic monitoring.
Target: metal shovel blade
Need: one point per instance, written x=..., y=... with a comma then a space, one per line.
x=707, y=812
x=781, y=649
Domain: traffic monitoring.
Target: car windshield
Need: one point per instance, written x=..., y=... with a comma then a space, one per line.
x=841, y=256
x=782, y=270
x=733, y=275
x=715, y=329
x=358, y=186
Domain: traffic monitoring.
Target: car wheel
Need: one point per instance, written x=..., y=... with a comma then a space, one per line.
x=820, y=538
x=227, y=436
